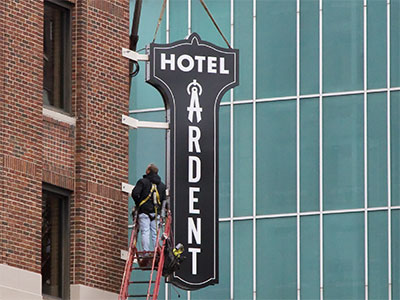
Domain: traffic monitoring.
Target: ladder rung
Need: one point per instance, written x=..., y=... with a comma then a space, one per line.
x=139, y=296
x=130, y=282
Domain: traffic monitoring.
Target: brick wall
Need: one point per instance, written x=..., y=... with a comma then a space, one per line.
x=101, y=90
x=21, y=133
x=89, y=158
x=58, y=153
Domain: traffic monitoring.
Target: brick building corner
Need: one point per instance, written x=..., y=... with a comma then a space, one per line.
x=81, y=153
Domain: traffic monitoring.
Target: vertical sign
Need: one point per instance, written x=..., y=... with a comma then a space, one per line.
x=192, y=75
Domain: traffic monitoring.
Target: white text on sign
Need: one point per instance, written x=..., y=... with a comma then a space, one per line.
x=186, y=63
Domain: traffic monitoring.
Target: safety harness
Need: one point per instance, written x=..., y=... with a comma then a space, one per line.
x=156, y=197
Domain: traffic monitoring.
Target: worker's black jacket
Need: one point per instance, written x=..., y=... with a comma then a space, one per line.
x=142, y=190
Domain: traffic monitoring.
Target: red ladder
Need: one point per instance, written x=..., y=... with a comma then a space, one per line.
x=142, y=258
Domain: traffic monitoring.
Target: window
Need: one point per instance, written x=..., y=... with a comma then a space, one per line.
x=56, y=56
x=55, y=236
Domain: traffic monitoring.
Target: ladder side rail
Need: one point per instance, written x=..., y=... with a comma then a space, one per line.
x=123, y=295
x=167, y=230
x=156, y=250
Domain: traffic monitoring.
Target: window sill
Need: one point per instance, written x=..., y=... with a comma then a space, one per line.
x=48, y=112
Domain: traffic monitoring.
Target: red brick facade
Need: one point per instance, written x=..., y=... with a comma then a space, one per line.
x=89, y=158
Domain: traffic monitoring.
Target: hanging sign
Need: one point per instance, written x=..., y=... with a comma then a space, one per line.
x=192, y=75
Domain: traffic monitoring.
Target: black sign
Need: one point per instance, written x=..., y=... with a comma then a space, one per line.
x=192, y=75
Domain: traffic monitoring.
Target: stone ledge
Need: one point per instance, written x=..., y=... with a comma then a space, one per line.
x=19, y=284
x=82, y=292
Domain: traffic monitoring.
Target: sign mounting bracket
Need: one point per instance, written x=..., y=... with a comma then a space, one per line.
x=135, y=123
x=134, y=55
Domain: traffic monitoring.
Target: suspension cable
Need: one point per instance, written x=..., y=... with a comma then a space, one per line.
x=215, y=23
x=160, y=19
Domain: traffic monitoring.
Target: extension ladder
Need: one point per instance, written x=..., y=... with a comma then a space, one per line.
x=145, y=260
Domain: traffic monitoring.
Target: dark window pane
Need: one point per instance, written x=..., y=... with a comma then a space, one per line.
x=53, y=242
x=54, y=56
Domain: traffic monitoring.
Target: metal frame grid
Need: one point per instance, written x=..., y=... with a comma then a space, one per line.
x=321, y=95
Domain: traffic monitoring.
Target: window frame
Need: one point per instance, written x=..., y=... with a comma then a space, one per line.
x=67, y=57
x=66, y=244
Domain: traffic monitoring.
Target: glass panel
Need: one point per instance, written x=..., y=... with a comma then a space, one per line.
x=276, y=48
x=309, y=47
x=343, y=152
x=224, y=183
x=243, y=27
x=55, y=77
x=151, y=10
x=146, y=146
x=178, y=19
x=144, y=95
x=342, y=45
x=243, y=160
x=309, y=257
x=395, y=254
x=344, y=256
x=276, y=258
x=377, y=149
x=395, y=146
x=202, y=24
x=53, y=237
x=140, y=141
x=395, y=43
x=243, y=259
x=309, y=154
x=222, y=289
x=276, y=157
x=376, y=43
x=377, y=255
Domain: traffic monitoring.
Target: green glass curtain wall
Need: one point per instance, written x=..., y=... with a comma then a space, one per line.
x=308, y=201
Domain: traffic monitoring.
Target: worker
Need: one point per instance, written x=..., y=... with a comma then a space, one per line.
x=148, y=194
